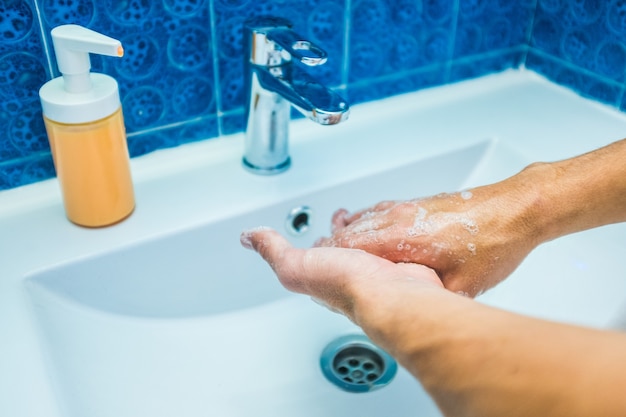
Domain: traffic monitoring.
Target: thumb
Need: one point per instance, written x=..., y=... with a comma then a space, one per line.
x=284, y=259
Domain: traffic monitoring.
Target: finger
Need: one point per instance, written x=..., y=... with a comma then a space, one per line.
x=375, y=236
x=324, y=242
x=339, y=220
x=284, y=259
x=314, y=272
x=251, y=236
x=371, y=211
x=266, y=242
x=422, y=271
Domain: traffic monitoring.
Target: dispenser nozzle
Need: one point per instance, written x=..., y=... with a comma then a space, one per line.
x=72, y=45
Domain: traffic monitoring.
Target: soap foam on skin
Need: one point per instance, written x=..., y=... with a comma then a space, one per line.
x=428, y=225
x=421, y=226
x=365, y=226
x=466, y=195
x=246, y=236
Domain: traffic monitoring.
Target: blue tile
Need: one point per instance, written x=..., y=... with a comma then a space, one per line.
x=168, y=54
x=589, y=34
x=182, y=73
x=172, y=136
x=144, y=143
x=583, y=82
x=201, y=129
x=23, y=69
x=375, y=89
x=391, y=36
x=25, y=171
x=144, y=107
x=11, y=174
x=233, y=122
x=487, y=63
x=488, y=25
x=35, y=169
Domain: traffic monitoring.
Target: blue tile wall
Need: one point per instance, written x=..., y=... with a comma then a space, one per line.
x=582, y=44
x=181, y=76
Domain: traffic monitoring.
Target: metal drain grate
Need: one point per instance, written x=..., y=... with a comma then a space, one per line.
x=355, y=364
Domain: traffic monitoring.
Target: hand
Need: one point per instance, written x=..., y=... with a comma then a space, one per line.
x=473, y=359
x=349, y=281
x=472, y=239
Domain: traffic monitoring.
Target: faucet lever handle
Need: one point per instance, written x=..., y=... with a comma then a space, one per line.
x=304, y=51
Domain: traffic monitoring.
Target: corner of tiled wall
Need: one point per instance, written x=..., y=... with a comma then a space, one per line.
x=181, y=78
x=581, y=45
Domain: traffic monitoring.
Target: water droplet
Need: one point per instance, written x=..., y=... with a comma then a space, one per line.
x=466, y=195
x=470, y=226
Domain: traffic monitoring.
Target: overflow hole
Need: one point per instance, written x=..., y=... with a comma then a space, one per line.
x=298, y=220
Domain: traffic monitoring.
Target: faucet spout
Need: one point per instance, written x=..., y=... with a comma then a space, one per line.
x=314, y=100
x=274, y=85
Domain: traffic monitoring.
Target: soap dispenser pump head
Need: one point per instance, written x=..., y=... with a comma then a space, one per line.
x=72, y=46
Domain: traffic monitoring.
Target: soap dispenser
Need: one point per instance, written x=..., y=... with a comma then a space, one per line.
x=83, y=117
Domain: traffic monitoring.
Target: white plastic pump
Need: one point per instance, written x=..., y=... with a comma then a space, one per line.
x=72, y=45
x=80, y=96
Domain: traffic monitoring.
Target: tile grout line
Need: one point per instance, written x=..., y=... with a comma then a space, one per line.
x=529, y=32
x=216, y=68
x=44, y=40
x=451, y=47
x=346, y=43
x=576, y=68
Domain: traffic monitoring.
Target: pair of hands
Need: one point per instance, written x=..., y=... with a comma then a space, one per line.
x=394, y=270
x=466, y=242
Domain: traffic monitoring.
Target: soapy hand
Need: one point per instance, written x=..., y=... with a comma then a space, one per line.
x=337, y=277
x=472, y=239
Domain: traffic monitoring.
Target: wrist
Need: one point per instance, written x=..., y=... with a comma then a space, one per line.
x=543, y=209
x=579, y=193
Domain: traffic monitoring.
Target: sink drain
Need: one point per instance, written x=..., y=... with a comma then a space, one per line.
x=355, y=364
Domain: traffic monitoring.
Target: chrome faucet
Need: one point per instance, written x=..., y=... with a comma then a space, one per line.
x=274, y=84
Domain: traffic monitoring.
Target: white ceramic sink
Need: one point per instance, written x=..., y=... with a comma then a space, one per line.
x=194, y=325
x=165, y=314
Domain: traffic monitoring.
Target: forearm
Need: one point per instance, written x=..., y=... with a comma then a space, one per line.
x=474, y=360
x=478, y=361
x=578, y=193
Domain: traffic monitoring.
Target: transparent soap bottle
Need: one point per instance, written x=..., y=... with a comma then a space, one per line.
x=83, y=117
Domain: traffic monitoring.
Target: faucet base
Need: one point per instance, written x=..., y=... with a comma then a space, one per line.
x=277, y=169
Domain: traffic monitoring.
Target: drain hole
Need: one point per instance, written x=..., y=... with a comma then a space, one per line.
x=298, y=220
x=355, y=364
x=361, y=364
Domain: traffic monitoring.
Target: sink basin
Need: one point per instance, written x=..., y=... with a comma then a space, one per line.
x=166, y=314
x=205, y=271
x=191, y=322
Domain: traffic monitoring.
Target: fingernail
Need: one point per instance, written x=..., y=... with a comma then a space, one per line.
x=339, y=220
x=246, y=236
